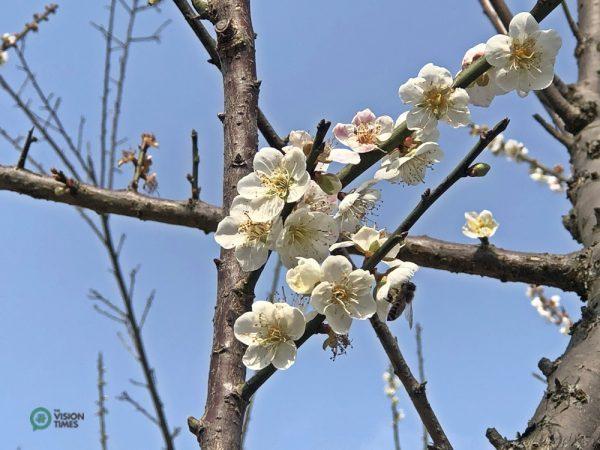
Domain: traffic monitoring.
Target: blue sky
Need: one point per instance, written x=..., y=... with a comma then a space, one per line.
x=316, y=59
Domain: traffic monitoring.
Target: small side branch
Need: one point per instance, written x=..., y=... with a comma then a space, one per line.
x=28, y=141
x=430, y=197
x=102, y=411
x=563, y=138
x=193, y=177
x=105, y=201
x=421, y=360
x=415, y=390
x=572, y=24
x=193, y=20
x=32, y=26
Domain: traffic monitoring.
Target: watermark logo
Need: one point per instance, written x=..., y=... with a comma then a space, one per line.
x=40, y=418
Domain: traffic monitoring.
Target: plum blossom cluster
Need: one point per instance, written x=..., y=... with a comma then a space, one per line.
x=550, y=308
x=291, y=204
x=553, y=182
x=517, y=152
x=390, y=388
x=7, y=40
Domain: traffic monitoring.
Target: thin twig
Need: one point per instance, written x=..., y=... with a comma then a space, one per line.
x=193, y=177
x=415, y=390
x=572, y=24
x=120, y=81
x=489, y=11
x=421, y=362
x=125, y=397
x=136, y=337
x=29, y=27
x=429, y=197
x=209, y=44
x=102, y=411
x=28, y=141
x=563, y=138
x=105, y=93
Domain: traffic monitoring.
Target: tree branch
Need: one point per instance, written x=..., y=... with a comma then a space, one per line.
x=415, y=390
x=193, y=20
x=105, y=201
x=560, y=271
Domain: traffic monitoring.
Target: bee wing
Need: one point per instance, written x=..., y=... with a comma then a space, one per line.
x=408, y=314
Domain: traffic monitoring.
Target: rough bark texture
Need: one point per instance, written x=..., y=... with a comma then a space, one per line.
x=561, y=271
x=195, y=214
x=221, y=426
x=569, y=413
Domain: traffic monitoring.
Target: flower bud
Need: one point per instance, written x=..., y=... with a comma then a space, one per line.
x=478, y=170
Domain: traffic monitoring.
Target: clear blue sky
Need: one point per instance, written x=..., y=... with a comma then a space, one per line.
x=316, y=59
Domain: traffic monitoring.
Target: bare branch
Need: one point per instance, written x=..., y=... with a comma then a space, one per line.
x=563, y=138
x=209, y=44
x=561, y=271
x=418, y=332
x=200, y=215
x=32, y=26
x=193, y=177
x=124, y=397
x=415, y=390
x=28, y=141
x=572, y=24
x=102, y=411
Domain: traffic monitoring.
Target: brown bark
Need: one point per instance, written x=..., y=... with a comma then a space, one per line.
x=196, y=214
x=561, y=271
x=221, y=425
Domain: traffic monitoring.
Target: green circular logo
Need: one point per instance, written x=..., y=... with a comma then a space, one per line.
x=40, y=418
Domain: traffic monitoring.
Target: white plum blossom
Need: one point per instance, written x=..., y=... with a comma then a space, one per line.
x=269, y=331
x=408, y=163
x=315, y=199
x=305, y=276
x=483, y=90
x=365, y=132
x=553, y=182
x=250, y=230
x=550, y=308
x=367, y=241
x=480, y=225
x=356, y=205
x=514, y=149
x=306, y=234
x=277, y=178
x=344, y=294
x=3, y=58
x=497, y=144
x=524, y=59
x=9, y=39
x=400, y=272
x=433, y=98
x=302, y=140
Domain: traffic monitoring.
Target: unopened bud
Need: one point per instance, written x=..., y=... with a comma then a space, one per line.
x=478, y=170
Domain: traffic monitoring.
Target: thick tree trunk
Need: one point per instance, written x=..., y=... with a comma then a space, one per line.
x=569, y=414
x=221, y=426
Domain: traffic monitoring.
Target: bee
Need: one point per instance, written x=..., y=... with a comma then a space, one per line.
x=401, y=300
